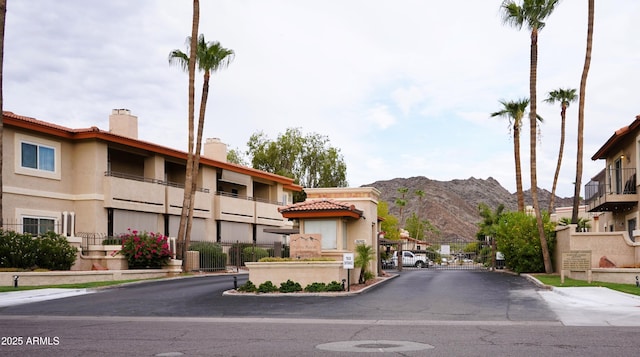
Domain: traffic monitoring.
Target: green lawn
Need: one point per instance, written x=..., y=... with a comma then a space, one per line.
x=97, y=284
x=554, y=280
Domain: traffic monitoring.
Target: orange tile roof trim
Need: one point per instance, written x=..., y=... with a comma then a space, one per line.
x=28, y=123
x=321, y=208
x=616, y=138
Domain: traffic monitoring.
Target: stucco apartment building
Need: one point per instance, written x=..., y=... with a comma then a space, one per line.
x=612, y=195
x=93, y=181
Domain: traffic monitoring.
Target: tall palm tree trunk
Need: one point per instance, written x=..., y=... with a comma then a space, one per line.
x=516, y=154
x=533, y=127
x=203, y=107
x=583, y=86
x=188, y=185
x=563, y=115
x=3, y=16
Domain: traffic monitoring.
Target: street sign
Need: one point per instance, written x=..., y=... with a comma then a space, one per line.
x=347, y=261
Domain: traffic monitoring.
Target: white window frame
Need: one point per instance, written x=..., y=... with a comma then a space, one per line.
x=40, y=219
x=38, y=142
x=22, y=213
x=327, y=228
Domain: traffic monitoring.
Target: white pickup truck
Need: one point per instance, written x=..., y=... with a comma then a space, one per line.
x=410, y=259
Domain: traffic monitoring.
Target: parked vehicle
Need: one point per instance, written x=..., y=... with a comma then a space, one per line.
x=411, y=259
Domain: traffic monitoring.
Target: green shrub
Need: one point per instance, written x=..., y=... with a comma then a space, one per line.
x=23, y=251
x=517, y=238
x=335, y=286
x=247, y=287
x=253, y=254
x=211, y=255
x=316, y=288
x=290, y=287
x=54, y=252
x=17, y=250
x=267, y=287
x=112, y=241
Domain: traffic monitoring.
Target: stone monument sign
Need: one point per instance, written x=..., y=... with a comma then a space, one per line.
x=303, y=246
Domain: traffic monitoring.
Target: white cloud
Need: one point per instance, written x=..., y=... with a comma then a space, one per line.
x=402, y=88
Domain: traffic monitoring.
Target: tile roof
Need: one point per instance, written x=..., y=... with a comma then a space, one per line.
x=320, y=208
x=29, y=123
x=616, y=138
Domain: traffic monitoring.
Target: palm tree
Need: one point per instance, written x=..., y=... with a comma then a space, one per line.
x=364, y=255
x=401, y=202
x=210, y=57
x=565, y=97
x=182, y=240
x=514, y=112
x=583, y=86
x=420, y=194
x=532, y=13
x=3, y=16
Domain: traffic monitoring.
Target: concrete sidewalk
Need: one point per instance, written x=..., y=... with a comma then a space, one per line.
x=29, y=296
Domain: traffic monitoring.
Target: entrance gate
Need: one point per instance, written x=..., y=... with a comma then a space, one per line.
x=441, y=255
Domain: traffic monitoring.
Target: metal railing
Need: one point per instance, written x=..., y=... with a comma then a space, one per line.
x=127, y=176
x=248, y=198
x=616, y=182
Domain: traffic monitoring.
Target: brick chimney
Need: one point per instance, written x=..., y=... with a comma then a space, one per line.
x=121, y=122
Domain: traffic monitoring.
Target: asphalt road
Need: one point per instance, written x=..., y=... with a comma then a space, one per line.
x=420, y=313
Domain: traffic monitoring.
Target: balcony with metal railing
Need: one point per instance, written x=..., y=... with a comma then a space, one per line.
x=615, y=191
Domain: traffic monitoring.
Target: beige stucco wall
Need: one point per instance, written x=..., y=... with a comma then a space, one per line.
x=616, y=246
x=364, y=229
x=304, y=272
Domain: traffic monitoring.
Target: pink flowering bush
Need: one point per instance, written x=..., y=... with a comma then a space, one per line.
x=145, y=249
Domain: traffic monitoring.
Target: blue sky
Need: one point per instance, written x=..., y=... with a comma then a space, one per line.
x=403, y=88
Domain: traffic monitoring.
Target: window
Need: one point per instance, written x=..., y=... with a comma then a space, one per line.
x=38, y=157
x=37, y=226
x=326, y=228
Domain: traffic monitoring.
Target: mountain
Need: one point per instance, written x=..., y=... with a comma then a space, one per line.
x=452, y=206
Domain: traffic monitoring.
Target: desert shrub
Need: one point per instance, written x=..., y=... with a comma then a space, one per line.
x=253, y=254
x=334, y=286
x=368, y=275
x=211, y=255
x=267, y=287
x=290, y=287
x=247, y=287
x=145, y=249
x=54, y=252
x=316, y=288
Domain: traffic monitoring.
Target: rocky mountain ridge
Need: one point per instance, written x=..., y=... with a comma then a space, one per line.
x=452, y=206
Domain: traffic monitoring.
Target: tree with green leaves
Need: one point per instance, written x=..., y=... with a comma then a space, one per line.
x=308, y=159
x=514, y=112
x=564, y=97
x=235, y=156
x=583, y=89
x=532, y=13
x=490, y=219
x=420, y=228
x=389, y=224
